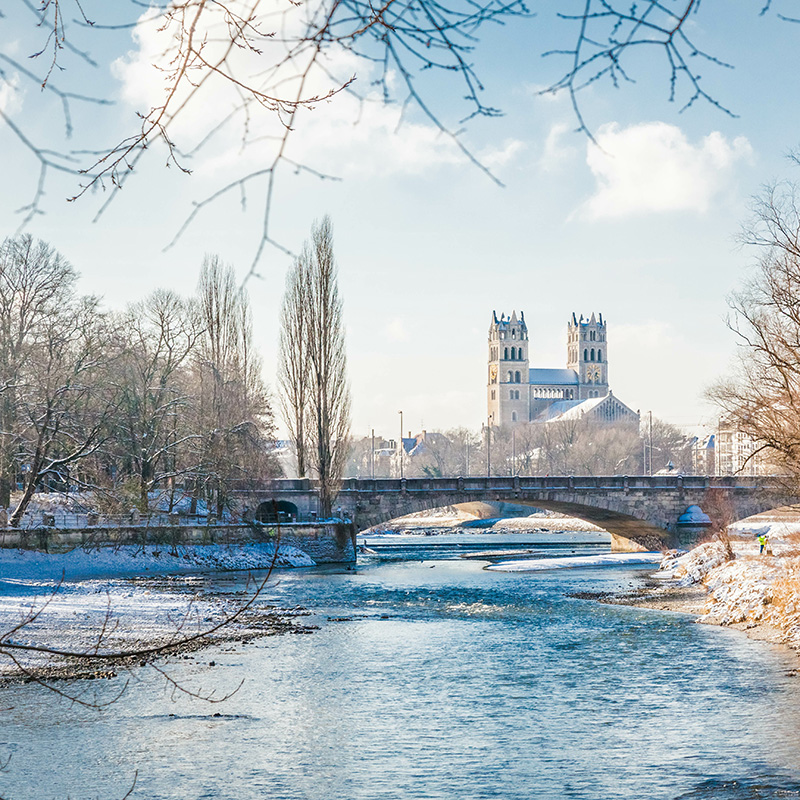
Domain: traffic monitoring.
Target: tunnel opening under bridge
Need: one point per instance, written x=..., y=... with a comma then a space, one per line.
x=272, y=511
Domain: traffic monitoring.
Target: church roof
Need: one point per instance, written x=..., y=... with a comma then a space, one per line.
x=575, y=409
x=551, y=377
x=568, y=409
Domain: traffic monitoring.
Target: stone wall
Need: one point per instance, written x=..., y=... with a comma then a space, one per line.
x=325, y=543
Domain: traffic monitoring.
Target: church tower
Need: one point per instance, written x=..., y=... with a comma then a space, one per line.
x=508, y=374
x=587, y=354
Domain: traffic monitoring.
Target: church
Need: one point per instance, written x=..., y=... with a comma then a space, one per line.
x=518, y=393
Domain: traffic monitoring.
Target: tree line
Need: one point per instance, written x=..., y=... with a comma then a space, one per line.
x=139, y=406
x=580, y=446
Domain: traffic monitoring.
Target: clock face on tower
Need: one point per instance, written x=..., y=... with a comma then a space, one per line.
x=493, y=373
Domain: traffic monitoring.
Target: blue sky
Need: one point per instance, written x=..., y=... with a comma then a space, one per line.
x=642, y=230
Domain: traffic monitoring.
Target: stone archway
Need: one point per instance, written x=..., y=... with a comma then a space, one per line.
x=628, y=533
x=271, y=511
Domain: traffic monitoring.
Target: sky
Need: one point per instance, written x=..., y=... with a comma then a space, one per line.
x=640, y=223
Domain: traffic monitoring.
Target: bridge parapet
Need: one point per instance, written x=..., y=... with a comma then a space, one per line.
x=537, y=483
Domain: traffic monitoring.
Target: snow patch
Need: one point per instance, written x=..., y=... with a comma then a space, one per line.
x=83, y=563
x=571, y=562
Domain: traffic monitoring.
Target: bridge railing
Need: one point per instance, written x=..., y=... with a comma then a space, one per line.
x=535, y=483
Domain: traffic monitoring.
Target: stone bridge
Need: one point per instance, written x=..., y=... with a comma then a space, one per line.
x=640, y=513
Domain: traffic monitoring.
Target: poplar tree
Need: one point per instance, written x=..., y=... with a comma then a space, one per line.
x=313, y=368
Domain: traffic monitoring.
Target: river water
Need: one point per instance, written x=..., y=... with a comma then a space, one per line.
x=430, y=677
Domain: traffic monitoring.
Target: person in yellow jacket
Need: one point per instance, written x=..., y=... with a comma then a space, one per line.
x=762, y=541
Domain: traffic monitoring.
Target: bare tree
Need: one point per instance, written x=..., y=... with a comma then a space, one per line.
x=54, y=397
x=64, y=401
x=294, y=372
x=35, y=281
x=329, y=407
x=313, y=374
x=762, y=399
x=231, y=406
x=445, y=454
x=161, y=334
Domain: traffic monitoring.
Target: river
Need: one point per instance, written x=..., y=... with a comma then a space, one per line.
x=430, y=677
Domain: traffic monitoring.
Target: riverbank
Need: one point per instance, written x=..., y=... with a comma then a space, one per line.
x=112, y=600
x=755, y=593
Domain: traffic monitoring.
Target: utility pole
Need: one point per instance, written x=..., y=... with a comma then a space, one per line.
x=488, y=448
x=513, y=452
x=400, y=443
x=372, y=456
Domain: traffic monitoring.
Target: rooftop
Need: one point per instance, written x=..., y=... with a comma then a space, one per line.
x=551, y=377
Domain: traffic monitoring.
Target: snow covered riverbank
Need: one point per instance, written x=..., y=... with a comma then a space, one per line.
x=759, y=594
x=84, y=562
x=127, y=598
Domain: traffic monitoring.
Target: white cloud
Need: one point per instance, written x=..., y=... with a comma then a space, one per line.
x=555, y=150
x=496, y=158
x=396, y=331
x=343, y=135
x=652, y=167
x=10, y=94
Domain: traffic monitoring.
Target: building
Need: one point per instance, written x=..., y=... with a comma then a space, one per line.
x=518, y=393
x=738, y=453
x=704, y=454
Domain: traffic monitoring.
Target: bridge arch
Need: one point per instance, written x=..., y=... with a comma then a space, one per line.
x=627, y=532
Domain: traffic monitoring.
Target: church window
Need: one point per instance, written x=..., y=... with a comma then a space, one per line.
x=493, y=394
x=513, y=333
x=513, y=416
x=513, y=353
x=599, y=355
x=592, y=356
x=505, y=354
x=516, y=377
x=585, y=355
x=510, y=376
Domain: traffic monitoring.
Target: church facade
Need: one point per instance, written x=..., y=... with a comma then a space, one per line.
x=518, y=393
